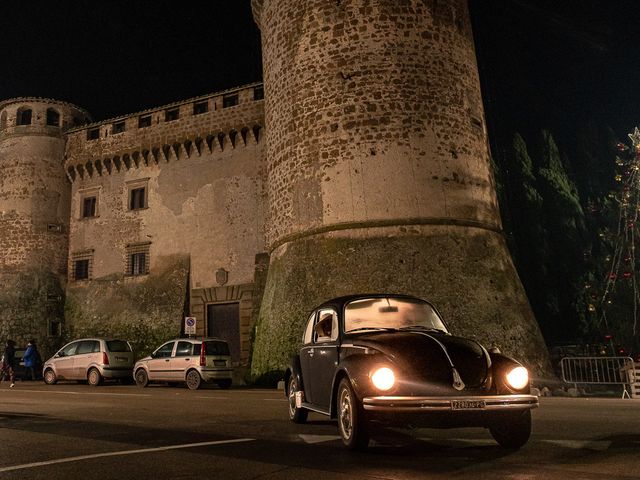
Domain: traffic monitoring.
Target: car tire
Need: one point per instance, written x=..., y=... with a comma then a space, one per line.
x=351, y=424
x=194, y=380
x=296, y=415
x=93, y=377
x=513, y=430
x=224, y=384
x=142, y=379
x=49, y=377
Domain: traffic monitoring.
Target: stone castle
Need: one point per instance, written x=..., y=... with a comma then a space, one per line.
x=361, y=165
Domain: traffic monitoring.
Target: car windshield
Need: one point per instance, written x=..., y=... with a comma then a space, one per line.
x=391, y=313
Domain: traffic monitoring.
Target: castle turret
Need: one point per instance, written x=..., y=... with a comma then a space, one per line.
x=34, y=216
x=378, y=166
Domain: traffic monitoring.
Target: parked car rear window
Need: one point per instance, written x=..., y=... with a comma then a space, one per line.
x=213, y=348
x=118, y=346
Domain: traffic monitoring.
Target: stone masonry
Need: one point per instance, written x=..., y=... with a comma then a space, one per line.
x=378, y=171
x=365, y=168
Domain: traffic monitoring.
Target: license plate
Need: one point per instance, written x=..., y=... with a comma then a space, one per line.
x=121, y=359
x=220, y=363
x=467, y=404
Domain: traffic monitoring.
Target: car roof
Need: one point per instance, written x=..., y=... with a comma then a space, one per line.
x=196, y=340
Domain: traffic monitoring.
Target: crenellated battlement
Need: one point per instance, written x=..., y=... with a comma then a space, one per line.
x=208, y=124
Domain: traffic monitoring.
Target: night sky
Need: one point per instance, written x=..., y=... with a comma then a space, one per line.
x=543, y=63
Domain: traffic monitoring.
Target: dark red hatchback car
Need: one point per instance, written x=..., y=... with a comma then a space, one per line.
x=372, y=361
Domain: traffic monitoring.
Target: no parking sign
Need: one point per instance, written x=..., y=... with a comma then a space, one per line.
x=190, y=325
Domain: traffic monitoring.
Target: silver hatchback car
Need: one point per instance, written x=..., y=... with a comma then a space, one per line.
x=90, y=359
x=184, y=360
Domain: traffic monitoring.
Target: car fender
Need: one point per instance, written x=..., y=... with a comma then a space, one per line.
x=356, y=368
x=294, y=368
x=501, y=364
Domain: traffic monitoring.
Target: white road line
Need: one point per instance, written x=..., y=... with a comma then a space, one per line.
x=275, y=399
x=67, y=392
x=120, y=453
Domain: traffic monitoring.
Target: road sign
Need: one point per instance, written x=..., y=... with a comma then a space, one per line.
x=190, y=325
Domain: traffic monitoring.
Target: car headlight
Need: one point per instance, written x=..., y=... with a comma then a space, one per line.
x=383, y=378
x=518, y=378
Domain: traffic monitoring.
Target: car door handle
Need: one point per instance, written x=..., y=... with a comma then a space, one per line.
x=187, y=359
x=311, y=352
x=166, y=360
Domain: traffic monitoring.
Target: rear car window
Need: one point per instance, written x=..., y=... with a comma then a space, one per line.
x=118, y=346
x=213, y=348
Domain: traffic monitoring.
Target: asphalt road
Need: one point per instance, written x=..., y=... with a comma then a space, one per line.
x=71, y=431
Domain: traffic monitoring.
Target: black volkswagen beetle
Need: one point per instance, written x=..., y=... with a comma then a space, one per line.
x=388, y=360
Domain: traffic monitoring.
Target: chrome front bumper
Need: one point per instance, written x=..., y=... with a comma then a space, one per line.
x=450, y=404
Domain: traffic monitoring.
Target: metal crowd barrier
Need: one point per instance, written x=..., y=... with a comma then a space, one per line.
x=601, y=371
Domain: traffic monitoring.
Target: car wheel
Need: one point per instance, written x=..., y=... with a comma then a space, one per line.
x=94, y=378
x=224, y=384
x=353, y=428
x=142, y=379
x=194, y=380
x=296, y=415
x=50, y=377
x=513, y=430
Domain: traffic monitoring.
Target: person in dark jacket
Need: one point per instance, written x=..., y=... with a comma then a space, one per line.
x=8, y=360
x=30, y=358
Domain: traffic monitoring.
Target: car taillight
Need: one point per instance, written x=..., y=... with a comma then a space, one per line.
x=105, y=358
x=203, y=355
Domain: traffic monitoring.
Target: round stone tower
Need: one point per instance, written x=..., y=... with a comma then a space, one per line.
x=378, y=171
x=34, y=216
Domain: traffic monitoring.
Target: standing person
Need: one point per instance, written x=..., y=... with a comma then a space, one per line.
x=30, y=358
x=8, y=360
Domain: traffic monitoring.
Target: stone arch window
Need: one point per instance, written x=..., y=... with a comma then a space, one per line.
x=53, y=117
x=23, y=117
x=3, y=120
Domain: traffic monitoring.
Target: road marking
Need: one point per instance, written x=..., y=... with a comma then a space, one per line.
x=275, y=399
x=318, y=438
x=120, y=453
x=67, y=392
x=598, y=445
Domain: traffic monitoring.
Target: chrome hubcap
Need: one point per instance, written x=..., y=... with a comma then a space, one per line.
x=346, y=424
x=292, y=398
x=192, y=379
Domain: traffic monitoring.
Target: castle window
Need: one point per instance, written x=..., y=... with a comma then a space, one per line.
x=89, y=205
x=55, y=329
x=118, y=127
x=171, y=115
x=137, y=197
x=200, y=107
x=23, y=117
x=137, y=259
x=81, y=269
x=3, y=120
x=230, y=100
x=144, y=121
x=81, y=265
x=93, y=134
x=258, y=93
x=138, y=193
x=53, y=117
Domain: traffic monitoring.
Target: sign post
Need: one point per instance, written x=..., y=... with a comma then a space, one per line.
x=190, y=325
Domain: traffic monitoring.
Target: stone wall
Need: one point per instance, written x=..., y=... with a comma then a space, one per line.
x=203, y=175
x=376, y=135
x=34, y=217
